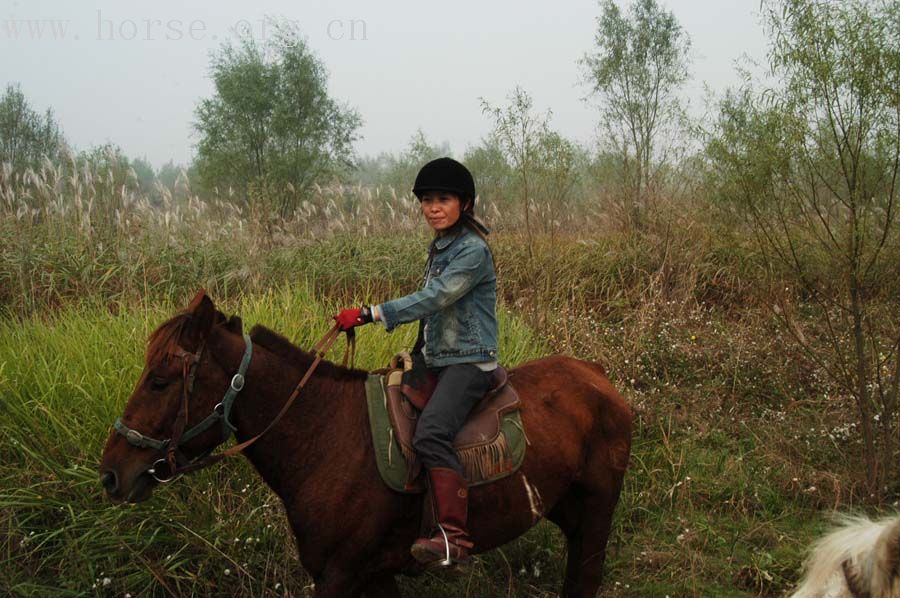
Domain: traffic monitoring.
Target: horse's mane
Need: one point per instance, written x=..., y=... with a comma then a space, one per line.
x=282, y=347
x=164, y=341
x=860, y=553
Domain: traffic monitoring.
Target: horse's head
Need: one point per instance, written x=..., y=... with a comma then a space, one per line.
x=171, y=415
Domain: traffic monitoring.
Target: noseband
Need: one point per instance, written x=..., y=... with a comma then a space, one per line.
x=175, y=459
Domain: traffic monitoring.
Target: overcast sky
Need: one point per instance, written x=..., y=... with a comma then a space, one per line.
x=131, y=73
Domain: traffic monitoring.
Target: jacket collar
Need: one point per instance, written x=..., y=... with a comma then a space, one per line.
x=444, y=241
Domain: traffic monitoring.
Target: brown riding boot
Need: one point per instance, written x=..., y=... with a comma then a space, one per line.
x=451, y=499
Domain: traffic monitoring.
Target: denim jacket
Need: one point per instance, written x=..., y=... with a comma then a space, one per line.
x=457, y=302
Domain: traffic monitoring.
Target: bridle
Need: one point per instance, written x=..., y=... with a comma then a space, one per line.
x=220, y=414
x=174, y=459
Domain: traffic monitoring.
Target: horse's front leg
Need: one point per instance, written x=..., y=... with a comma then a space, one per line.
x=382, y=586
x=338, y=582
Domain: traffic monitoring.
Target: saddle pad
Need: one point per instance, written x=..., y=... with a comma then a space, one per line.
x=395, y=467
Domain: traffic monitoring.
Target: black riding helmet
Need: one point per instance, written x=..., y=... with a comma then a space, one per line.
x=446, y=174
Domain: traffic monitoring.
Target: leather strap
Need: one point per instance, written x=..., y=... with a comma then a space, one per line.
x=189, y=363
x=320, y=348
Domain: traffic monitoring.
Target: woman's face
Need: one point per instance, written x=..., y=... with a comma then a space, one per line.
x=441, y=209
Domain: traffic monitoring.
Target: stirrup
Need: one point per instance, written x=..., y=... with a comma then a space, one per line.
x=447, y=562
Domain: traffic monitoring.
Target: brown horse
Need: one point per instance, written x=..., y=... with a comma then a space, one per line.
x=354, y=533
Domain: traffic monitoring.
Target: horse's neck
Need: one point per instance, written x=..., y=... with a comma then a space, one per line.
x=308, y=437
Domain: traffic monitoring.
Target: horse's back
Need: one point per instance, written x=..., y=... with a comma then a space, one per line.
x=585, y=381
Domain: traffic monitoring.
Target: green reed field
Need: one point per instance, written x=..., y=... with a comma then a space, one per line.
x=741, y=447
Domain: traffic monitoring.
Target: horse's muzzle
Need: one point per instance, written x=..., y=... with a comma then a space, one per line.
x=110, y=482
x=140, y=489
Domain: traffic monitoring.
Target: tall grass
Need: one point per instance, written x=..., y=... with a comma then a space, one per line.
x=72, y=231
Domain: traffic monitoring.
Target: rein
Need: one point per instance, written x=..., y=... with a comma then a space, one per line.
x=175, y=460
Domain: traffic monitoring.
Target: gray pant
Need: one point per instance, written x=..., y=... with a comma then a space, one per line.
x=458, y=390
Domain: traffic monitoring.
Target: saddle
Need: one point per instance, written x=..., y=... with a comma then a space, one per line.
x=419, y=394
x=482, y=444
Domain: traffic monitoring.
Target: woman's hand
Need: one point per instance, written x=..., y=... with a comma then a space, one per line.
x=352, y=317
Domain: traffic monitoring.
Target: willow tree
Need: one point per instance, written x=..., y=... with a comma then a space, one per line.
x=635, y=72
x=541, y=162
x=813, y=163
x=271, y=125
x=26, y=136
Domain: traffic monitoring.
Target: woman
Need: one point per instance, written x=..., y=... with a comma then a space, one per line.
x=457, y=342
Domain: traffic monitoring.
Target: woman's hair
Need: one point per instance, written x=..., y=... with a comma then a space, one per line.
x=475, y=226
x=469, y=221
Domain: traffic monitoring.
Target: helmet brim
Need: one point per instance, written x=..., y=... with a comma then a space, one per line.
x=419, y=191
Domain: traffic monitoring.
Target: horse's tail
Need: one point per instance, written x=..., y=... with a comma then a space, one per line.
x=615, y=416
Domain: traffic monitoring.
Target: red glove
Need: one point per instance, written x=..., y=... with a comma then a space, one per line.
x=352, y=317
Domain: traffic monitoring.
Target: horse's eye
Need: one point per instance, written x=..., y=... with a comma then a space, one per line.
x=158, y=383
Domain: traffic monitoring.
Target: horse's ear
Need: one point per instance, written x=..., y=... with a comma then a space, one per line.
x=203, y=315
x=855, y=582
x=198, y=300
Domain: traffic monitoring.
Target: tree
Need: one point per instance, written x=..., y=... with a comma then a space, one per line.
x=271, y=124
x=541, y=160
x=813, y=164
x=639, y=64
x=25, y=135
x=169, y=174
x=556, y=174
x=110, y=163
x=495, y=176
x=112, y=181
x=399, y=171
x=144, y=175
